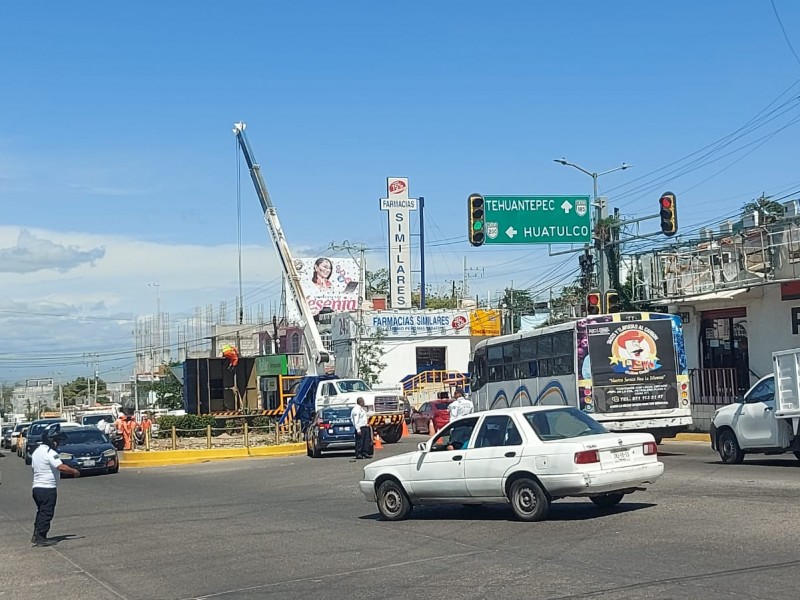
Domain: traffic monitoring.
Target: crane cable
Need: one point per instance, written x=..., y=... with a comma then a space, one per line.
x=239, y=226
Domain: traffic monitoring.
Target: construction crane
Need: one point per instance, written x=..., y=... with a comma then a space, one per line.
x=316, y=354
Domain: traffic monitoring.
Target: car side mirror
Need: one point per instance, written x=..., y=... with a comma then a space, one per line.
x=422, y=447
x=739, y=399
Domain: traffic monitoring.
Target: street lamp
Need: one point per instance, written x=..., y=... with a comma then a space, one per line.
x=598, y=211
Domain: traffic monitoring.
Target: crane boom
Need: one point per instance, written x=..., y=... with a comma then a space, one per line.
x=316, y=353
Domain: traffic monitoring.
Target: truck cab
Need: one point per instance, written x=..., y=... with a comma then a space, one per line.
x=765, y=420
x=385, y=408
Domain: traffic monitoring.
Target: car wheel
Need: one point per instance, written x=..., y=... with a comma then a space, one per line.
x=113, y=470
x=315, y=451
x=729, y=450
x=607, y=500
x=797, y=454
x=393, y=503
x=528, y=500
x=27, y=458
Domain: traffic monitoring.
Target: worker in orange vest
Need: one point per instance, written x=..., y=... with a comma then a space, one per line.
x=146, y=424
x=128, y=425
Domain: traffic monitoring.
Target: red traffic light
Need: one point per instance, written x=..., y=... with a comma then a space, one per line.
x=666, y=202
x=594, y=299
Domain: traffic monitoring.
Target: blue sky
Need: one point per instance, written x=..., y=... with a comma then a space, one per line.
x=115, y=133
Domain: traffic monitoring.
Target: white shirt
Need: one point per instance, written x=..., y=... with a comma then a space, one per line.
x=359, y=416
x=45, y=463
x=460, y=407
x=101, y=425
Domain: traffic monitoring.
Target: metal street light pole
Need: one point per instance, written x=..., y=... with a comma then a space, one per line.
x=600, y=212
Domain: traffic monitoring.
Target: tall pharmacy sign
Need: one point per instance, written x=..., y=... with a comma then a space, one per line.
x=399, y=206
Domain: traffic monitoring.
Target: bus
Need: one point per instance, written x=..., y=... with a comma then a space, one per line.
x=627, y=370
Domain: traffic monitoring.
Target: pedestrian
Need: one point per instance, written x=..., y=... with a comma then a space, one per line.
x=46, y=469
x=461, y=406
x=360, y=422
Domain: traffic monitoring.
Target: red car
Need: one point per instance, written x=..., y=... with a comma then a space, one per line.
x=435, y=411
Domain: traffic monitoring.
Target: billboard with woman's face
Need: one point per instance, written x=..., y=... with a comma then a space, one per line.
x=329, y=283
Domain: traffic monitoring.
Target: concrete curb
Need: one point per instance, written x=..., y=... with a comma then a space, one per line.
x=690, y=437
x=164, y=458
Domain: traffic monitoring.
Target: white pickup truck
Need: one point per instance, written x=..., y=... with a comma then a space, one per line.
x=766, y=419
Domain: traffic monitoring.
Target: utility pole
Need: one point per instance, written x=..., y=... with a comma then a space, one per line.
x=469, y=272
x=600, y=213
x=363, y=292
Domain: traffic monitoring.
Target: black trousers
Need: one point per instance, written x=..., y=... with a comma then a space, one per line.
x=363, y=442
x=45, y=499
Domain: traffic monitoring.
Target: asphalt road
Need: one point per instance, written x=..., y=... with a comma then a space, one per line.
x=298, y=528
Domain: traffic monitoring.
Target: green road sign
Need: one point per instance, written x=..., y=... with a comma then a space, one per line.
x=538, y=220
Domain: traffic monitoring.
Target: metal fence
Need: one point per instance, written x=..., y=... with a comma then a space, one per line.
x=715, y=387
x=238, y=435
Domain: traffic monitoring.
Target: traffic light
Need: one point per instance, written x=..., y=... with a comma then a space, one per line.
x=668, y=214
x=594, y=305
x=612, y=301
x=477, y=223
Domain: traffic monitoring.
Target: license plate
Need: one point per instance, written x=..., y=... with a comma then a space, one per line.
x=621, y=455
x=88, y=462
x=344, y=429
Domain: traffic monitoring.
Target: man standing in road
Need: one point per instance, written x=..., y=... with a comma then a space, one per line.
x=460, y=406
x=359, y=416
x=46, y=469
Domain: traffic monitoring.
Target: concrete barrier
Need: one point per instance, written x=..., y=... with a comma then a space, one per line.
x=690, y=437
x=162, y=458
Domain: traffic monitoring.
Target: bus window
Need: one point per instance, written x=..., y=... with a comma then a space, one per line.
x=495, y=372
x=546, y=367
x=527, y=349
x=511, y=353
x=563, y=344
x=495, y=354
x=562, y=365
x=544, y=346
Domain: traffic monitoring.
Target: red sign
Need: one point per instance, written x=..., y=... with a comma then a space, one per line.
x=397, y=187
x=459, y=322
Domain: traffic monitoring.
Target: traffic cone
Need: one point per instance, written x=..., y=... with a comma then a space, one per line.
x=405, y=429
x=377, y=442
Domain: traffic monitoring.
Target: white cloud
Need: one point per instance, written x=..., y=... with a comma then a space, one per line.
x=31, y=253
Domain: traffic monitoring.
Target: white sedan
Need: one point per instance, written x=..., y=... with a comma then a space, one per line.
x=526, y=456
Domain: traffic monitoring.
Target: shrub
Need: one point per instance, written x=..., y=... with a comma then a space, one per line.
x=186, y=425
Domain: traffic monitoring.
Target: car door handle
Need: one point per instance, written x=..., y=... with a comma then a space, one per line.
x=457, y=457
x=510, y=454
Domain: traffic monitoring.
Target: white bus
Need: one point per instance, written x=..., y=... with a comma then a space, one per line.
x=627, y=370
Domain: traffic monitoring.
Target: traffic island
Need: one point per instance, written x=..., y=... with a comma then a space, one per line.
x=164, y=458
x=690, y=437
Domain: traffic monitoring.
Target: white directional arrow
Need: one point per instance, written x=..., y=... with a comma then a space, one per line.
x=566, y=206
x=511, y=232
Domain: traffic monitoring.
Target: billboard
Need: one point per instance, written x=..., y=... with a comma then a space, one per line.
x=633, y=365
x=329, y=283
x=418, y=323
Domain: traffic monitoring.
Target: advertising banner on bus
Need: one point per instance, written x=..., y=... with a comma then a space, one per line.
x=632, y=366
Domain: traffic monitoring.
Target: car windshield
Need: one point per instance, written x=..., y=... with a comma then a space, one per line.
x=20, y=427
x=83, y=437
x=38, y=428
x=562, y=423
x=352, y=385
x=442, y=405
x=95, y=419
x=331, y=414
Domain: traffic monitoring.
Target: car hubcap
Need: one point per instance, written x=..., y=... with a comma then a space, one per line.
x=526, y=500
x=392, y=501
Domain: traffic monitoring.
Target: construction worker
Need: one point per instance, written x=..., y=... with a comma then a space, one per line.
x=47, y=467
x=146, y=424
x=126, y=430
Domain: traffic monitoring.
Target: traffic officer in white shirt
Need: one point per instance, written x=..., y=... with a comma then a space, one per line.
x=460, y=406
x=47, y=467
x=363, y=438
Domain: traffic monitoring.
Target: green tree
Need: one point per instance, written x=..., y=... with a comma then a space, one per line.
x=768, y=210
x=168, y=390
x=434, y=301
x=368, y=358
x=79, y=390
x=378, y=283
